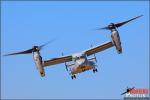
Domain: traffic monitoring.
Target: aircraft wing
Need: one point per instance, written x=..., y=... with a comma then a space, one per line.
x=89, y=52
x=99, y=48
x=58, y=60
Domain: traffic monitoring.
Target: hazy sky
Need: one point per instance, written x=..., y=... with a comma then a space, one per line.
x=73, y=24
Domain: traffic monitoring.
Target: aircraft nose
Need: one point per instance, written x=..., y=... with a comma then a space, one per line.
x=73, y=69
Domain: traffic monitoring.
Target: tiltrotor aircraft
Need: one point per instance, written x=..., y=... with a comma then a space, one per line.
x=80, y=60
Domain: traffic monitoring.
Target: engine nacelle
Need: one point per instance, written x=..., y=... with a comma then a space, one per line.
x=38, y=61
x=116, y=40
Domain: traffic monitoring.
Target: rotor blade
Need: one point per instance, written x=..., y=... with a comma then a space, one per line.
x=125, y=22
x=40, y=47
x=22, y=52
x=104, y=28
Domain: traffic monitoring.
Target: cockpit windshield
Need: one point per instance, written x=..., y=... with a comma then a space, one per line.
x=80, y=60
x=79, y=57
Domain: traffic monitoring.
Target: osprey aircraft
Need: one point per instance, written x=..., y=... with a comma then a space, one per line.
x=81, y=60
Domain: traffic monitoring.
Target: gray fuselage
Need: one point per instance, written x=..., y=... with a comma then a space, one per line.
x=81, y=64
